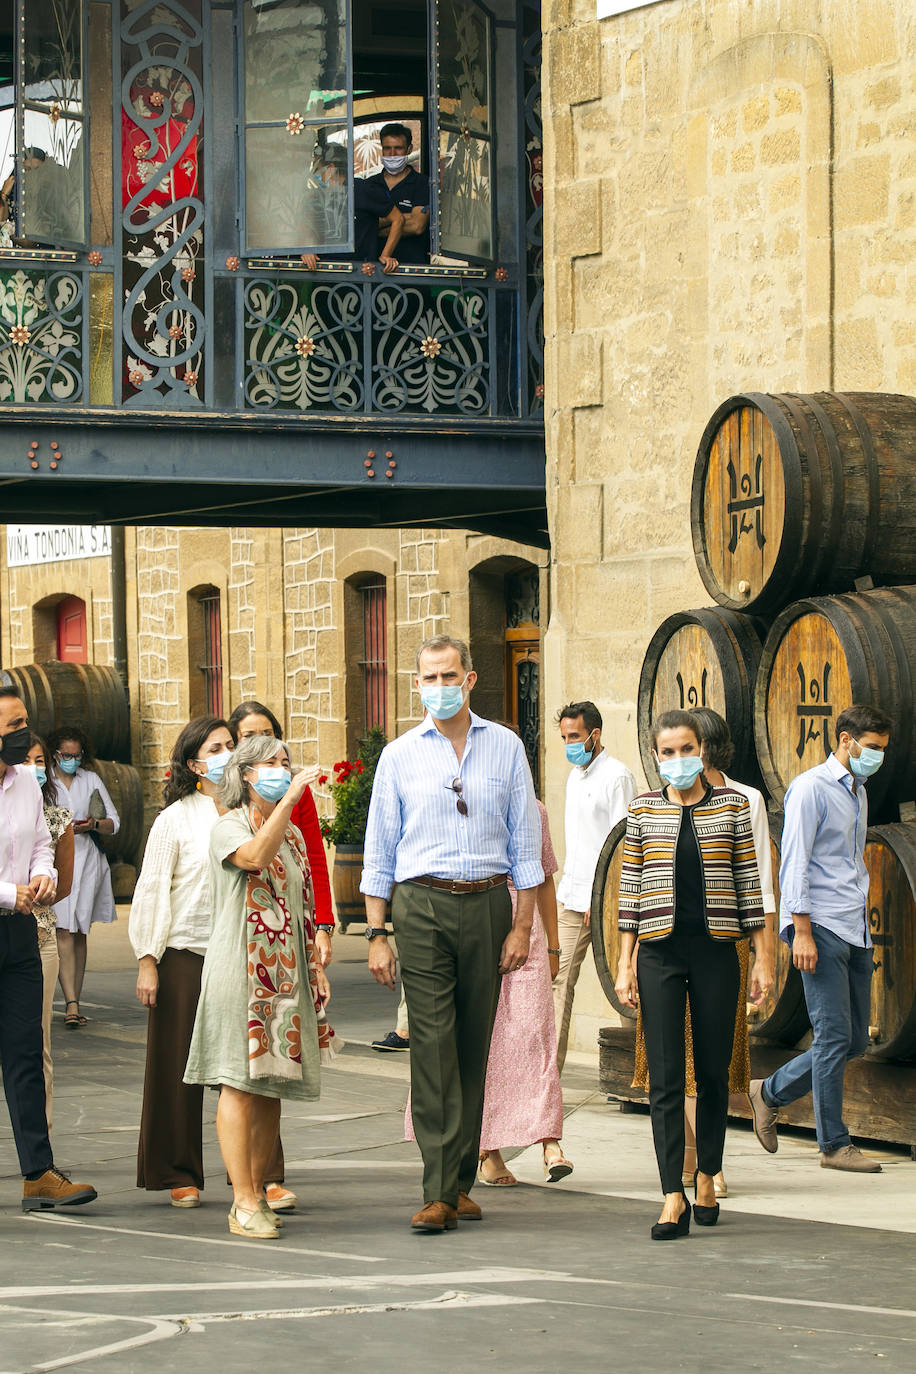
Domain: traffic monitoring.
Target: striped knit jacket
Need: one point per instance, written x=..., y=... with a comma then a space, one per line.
x=723, y=828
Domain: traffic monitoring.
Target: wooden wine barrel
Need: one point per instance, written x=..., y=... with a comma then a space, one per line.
x=822, y=655
x=349, y=902
x=605, y=891
x=782, y=1017
x=706, y=657
x=890, y=857
x=796, y=495
x=126, y=789
x=87, y=696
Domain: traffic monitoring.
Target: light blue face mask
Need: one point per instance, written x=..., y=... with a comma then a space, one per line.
x=443, y=702
x=39, y=773
x=681, y=773
x=868, y=762
x=273, y=783
x=70, y=766
x=578, y=754
x=216, y=765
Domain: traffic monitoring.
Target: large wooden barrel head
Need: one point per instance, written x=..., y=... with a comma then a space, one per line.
x=703, y=657
x=822, y=655
x=794, y=495
x=782, y=1016
x=890, y=857
x=605, y=892
x=739, y=504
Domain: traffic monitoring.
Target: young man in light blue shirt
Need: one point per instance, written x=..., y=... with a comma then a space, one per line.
x=824, y=917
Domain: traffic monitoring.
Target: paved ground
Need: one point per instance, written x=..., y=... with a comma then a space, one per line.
x=561, y=1277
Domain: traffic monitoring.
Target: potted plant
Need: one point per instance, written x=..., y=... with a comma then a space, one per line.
x=351, y=788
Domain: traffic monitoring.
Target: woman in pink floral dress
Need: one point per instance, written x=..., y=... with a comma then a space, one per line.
x=523, y=1102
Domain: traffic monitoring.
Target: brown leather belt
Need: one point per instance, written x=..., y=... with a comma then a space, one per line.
x=455, y=886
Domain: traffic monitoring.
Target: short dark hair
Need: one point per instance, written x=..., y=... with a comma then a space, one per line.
x=57, y=737
x=715, y=736
x=591, y=716
x=863, y=720
x=252, y=708
x=38, y=153
x=9, y=691
x=396, y=131
x=674, y=720
x=181, y=782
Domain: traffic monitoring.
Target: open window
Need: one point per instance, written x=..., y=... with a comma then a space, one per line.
x=43, y=164
x=298, y=121
x=463, y=220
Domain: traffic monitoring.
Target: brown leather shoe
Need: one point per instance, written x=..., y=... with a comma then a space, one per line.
x=764, y=1117
x=850, y=1159
x=435, y=1216
x=54, y=1189
x=467, y=1209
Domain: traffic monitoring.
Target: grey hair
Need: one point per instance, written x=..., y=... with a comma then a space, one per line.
x=439, y=642
x=248, y=753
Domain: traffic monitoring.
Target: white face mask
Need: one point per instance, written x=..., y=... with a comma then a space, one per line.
x=395, y=164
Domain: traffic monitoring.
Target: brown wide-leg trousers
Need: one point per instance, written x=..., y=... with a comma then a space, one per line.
x=171, y=1153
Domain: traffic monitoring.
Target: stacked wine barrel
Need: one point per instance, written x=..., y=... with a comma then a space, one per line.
x=91, y=698
x=803, y=515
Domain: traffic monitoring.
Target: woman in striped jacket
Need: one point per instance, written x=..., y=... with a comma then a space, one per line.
x=689, y=890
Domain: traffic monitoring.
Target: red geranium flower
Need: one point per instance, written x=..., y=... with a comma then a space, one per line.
x=322, y=779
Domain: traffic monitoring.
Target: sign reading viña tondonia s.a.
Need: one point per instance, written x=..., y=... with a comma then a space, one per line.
x=27, y=545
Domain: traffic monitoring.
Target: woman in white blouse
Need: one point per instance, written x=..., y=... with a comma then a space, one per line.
x=169, y=928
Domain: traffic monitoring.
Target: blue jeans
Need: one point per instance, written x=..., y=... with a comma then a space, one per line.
x=838, y=996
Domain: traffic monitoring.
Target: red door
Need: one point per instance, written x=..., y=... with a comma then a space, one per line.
x=71, y=630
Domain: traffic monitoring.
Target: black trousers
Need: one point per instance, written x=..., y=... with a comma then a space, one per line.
x=21, y=1040
x=671, y=972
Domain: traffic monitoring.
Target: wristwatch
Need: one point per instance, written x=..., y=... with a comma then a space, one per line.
x=327, y=926
x=556, y=952
x=372, y=931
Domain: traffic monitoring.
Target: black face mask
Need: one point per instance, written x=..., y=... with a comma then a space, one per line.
x=14, y=747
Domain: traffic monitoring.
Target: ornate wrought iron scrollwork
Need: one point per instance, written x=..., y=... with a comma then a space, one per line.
x=429, y=349
x=41, y=332
x=426, y=349
x=302, y=346
x=163, y=216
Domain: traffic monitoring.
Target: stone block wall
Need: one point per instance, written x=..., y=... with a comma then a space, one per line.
x=729, y=196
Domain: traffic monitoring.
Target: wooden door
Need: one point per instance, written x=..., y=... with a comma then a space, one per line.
x=523, y=660
x=72, y=642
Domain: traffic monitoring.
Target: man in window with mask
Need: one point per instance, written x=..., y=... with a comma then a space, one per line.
x=407, y=190
x=27, y=879
x=452, y=817
x=823, y=915
x=598, y=791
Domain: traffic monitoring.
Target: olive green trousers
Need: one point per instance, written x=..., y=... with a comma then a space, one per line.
x=449, y=946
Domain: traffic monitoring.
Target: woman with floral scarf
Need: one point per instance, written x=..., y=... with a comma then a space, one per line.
x=255, y=1035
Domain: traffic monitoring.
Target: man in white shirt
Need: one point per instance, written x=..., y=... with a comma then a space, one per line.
x=598, y=791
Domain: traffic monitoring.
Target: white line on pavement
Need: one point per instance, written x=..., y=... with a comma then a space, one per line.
x=45, y=1220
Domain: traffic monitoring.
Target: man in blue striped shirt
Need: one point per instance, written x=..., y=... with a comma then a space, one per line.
x=452, y=816
x=823, y=915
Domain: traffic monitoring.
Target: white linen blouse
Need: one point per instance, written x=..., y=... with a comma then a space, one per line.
x=172, y=904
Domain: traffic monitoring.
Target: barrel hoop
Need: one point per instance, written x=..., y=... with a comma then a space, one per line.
x=872, y=477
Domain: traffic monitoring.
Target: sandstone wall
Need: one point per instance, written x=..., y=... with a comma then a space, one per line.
x=729, y=196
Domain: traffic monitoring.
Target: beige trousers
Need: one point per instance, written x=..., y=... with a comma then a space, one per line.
x=575, y=938
x=50, y=966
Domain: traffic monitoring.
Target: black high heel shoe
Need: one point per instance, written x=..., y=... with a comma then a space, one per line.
x=703, y=1216
x=670, y=1230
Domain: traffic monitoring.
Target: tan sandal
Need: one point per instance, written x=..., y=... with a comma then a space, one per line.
x=503, y=1180
x=557, y=1167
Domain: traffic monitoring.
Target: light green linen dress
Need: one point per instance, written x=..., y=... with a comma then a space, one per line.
x=219, y=1045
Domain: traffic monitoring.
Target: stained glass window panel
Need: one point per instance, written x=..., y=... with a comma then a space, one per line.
x=53, y=170
x=465, y=200
x=464, y=67
x=295, y=60
x=294, y=199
